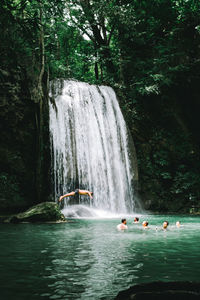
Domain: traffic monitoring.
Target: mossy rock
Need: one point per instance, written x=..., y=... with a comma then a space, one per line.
x=195, y=210
x=43, y=212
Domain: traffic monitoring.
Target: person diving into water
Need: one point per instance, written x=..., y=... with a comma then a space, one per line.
x=77, y=192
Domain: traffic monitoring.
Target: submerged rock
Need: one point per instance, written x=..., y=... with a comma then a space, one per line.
x=43, y=212
x=162, y=291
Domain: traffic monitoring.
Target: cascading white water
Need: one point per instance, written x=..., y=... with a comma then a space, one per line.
x=89, y=146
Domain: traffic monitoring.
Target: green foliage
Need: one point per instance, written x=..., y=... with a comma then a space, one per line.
x=10, y=191
x=147, y=50
x=73, y=57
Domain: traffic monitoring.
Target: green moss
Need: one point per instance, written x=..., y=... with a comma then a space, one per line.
x=43, y=212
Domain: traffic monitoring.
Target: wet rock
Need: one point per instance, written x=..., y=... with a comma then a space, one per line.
x=195, y=210
x=162, y=291
x=43, y=212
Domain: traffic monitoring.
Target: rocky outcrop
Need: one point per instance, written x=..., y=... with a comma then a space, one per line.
x=43, y=212
x=24, y=146
x=162, y=291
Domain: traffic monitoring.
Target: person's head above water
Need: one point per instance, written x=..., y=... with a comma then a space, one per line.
x=165, y=224
x=145, y=224
x=136, y=220
x=122, y=225
x=178, y=224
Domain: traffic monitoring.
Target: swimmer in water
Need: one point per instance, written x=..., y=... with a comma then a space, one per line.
x=145, y=224
x=165, y=225
x=178, y=224
x=77, y=192
x=123, y=225
x=136, y=220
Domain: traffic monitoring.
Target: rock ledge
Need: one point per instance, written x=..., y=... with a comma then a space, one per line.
x=43, y=212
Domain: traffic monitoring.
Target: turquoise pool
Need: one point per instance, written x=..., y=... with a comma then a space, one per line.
x=90, y=259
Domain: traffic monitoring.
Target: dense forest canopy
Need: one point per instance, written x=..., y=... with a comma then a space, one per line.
x=149, y=51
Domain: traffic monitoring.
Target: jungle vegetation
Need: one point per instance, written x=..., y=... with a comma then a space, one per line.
x=148, y=51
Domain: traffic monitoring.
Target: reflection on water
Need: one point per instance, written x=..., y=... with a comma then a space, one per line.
x=90, y=259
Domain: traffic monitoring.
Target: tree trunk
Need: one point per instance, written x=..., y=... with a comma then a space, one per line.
x=96, y=71
x=39, y=112
x=42, y=54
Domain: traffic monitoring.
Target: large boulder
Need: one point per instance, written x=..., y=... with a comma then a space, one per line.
x=43, y=212
x=179, y=290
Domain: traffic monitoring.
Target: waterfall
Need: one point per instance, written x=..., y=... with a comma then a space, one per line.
x=90, y=146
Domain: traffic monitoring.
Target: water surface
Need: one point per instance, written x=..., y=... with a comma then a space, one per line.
x=90, y=259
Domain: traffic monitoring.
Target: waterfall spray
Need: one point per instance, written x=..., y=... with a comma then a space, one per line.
x=90, y=146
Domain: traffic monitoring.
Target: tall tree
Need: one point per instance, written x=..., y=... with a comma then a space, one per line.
x=93, y=20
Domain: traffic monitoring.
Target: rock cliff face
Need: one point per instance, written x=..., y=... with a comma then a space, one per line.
x=19, y=142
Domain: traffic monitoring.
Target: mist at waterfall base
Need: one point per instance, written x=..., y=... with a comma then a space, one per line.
x=90, y=150
x=90, y=259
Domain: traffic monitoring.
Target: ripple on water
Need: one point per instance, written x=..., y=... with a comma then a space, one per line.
x=84, y=258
